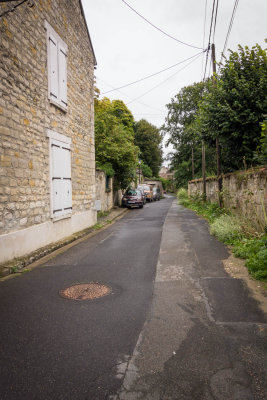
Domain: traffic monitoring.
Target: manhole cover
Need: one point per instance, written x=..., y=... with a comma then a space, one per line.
x=85, y=291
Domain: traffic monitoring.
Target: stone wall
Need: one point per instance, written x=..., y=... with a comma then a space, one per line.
x=26, y=114
x=104, y=191
x=244, y=192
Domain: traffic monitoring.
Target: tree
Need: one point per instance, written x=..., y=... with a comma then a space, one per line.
x=181, y=128
x=234, y=109
x=146, y=170
x=114, y=140
x=148, y=138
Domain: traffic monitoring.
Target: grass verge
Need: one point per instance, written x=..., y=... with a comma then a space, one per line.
x=230, y=229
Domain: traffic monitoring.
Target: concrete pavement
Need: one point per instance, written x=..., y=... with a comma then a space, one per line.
x=205, y=336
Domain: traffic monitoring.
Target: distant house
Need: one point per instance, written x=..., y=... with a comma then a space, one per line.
x=166, y=173
x=47, y=161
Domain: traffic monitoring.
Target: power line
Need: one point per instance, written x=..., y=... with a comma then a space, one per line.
x=124, y=94
x=229, y=30
x=204, y=34
x=207, y=56
x=161, y=83
x=156, y=73
x=217, y=4
x=160, y=30
x=211, y=24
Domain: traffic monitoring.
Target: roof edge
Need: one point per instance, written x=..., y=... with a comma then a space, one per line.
x=81, y=6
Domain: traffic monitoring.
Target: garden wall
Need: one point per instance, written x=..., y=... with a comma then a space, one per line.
x=104, y=191
x=244, y=192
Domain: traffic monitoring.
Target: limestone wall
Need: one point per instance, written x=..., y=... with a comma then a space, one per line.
x=26, y=114
x=244, y=192
x=104, y=191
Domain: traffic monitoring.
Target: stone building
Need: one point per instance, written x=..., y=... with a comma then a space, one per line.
x=47, y=160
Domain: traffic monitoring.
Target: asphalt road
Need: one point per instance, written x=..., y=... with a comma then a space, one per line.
x=177, y=326
x=205, y=335
x=55, y=348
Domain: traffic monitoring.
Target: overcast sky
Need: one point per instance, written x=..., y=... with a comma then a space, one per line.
x=127, y=48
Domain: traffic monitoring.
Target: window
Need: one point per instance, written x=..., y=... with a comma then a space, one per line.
x=57, y=68
x=60, y=174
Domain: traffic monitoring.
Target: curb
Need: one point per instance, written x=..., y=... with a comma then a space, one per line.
x=44, y=254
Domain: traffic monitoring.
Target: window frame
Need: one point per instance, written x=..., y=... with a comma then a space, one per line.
x=57, y=139
x=61, y=47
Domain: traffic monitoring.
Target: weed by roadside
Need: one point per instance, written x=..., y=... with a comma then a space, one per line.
x=245, y=242
x=102, y=213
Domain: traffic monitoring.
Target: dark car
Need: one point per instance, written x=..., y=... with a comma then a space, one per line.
x=156, y=193
x=132, y=198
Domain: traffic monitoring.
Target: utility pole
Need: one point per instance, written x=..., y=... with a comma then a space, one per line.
x=204, y=171
x=218, y=147
x=193, y=167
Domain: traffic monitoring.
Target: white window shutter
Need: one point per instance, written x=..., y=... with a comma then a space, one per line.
x=62, y=63
x=57, y=196
x=61, y=178
x=66, y=162
x=53, y=53
x=57, y=167
x=67, y=193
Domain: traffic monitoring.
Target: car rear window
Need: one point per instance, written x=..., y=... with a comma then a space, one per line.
x=133, y=192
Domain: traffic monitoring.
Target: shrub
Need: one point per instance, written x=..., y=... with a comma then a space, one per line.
x=257, y=264
x=255, y=251
x=227, y=228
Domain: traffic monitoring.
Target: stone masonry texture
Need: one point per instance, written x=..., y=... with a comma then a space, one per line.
x=26, y=112
x=244, y=192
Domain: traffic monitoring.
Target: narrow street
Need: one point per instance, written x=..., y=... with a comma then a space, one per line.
x=175, y=325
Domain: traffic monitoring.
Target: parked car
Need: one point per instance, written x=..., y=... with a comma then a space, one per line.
x=143, y=193
x=132, y=198
x=156, y=193
x=148, y=192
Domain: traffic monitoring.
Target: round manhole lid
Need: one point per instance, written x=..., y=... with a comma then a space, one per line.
x=85, y=291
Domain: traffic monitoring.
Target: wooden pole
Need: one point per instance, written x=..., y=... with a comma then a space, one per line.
x=193, y=167
x=218, y=147
x=204, y=171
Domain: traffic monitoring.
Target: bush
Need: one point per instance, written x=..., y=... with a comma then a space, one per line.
x=247, y=247
x=257, y=265
x=182, y=194
x=255, y=251
x=227, y=228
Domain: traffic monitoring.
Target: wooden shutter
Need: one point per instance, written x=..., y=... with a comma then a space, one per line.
x=66, y=182
x=53, y=67
x=61, y=178
x=62, y=63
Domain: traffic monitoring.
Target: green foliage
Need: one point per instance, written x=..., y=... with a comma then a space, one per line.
x=107, y=167
x=165, y=183
x=101, y=214
x=234, y=109
x=146, y=170
x=114, y=141
x=148, y=138
x=255, y=251
x=210, y=211
x=181, y=127
x=227, y=228
x=260, y=155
